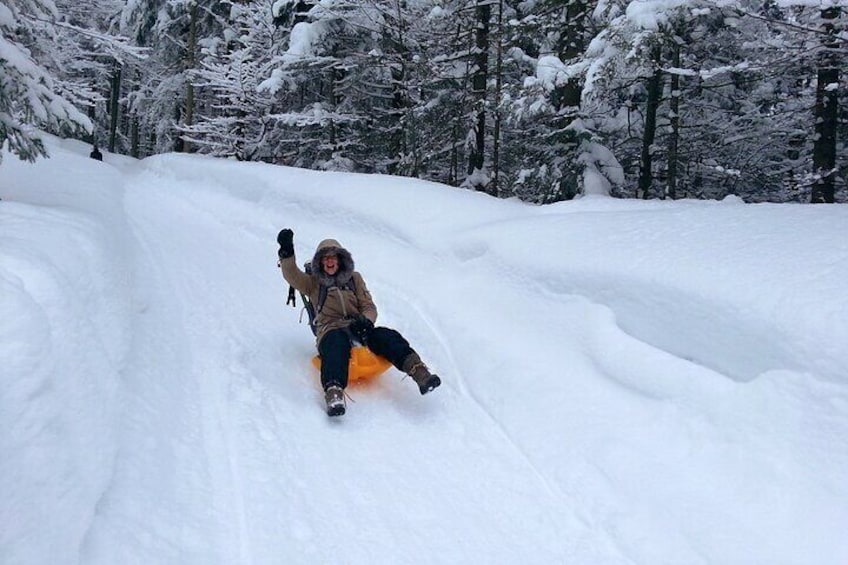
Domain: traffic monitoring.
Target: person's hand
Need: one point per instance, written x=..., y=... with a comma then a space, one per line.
x=361, y=327
x=286, y=240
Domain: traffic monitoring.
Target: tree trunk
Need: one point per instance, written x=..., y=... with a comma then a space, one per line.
x=826, y=111
x=337, y=77
x=565, y=98
x=406, y=144
x=114, y=105
x=134, y=136
x=674, y=118
x=92, y=115
x=650, y=132
x=496, y=148
x=191, y=47
x=453, y=174
x=478, y=85
x=571, y=45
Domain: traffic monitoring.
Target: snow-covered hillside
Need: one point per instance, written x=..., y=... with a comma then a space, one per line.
x=624, y=381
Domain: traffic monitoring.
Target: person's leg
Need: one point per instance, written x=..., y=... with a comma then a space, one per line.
x=334, y=350
x=390, y=344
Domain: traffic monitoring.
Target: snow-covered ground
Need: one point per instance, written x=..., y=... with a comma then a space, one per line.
x=624, y=381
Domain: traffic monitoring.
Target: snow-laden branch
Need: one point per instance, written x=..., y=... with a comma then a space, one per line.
x=116, y=46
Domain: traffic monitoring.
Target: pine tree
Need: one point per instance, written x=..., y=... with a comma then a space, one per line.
x=556, y=155
x=702, y=90
x=317, y=82
x=30, y=97
x=234, y=122
x=162, y=97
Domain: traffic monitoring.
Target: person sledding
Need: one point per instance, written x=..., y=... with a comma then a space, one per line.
x=344, y=314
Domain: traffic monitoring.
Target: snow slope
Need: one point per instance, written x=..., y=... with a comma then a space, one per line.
x=624, y=382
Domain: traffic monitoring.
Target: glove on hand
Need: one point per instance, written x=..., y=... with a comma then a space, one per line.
x=286, y=240
x=361, y=327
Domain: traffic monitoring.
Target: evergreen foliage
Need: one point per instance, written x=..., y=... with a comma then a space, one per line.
x=35, y=91
x=540, y=99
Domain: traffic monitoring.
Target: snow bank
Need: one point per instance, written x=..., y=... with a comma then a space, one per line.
x=63, y=334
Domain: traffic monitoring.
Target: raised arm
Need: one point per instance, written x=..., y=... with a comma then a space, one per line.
x=288, y=264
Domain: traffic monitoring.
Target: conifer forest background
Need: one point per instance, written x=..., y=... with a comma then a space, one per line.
x=536, y=99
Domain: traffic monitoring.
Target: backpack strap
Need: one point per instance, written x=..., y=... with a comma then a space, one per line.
x=307, y=304
x=322, y=293
x=312, y=310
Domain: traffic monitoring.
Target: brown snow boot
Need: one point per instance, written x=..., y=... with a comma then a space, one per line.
x=415, y=368
x=334, y=396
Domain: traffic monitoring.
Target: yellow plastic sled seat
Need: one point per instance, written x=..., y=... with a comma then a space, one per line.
x=364, y=364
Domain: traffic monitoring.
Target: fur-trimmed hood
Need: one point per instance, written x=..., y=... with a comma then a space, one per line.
x=346, y=264
x=340, y=303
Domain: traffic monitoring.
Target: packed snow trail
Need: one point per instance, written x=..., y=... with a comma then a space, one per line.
x=234, y=445
x=621, y=385
x=243, y=458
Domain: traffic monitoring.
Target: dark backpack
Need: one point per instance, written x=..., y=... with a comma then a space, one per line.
x=312, y=310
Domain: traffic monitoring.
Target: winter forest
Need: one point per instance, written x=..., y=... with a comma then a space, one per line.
x=536, y=99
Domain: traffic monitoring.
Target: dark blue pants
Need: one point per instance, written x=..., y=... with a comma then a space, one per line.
x=334, y=350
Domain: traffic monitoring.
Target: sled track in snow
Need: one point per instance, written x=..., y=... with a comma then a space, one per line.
x=464, y=389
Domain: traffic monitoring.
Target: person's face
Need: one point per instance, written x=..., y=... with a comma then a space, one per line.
x=330, y=264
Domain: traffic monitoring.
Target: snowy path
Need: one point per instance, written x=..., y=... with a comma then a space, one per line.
x=255, y=470
x=235, y=449
x=620, y=384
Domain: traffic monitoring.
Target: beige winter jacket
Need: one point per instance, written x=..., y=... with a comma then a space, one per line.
x=342, y=303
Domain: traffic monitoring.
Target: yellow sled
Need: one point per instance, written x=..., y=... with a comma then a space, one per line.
x=364, y=365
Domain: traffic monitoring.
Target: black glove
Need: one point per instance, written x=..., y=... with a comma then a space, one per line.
x=286, y=240
x=361, y=327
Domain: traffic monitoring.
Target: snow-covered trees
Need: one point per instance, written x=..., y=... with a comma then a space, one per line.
x=32, y=94
x=540, y=99
x=55, y=58
x=721, y=95
x=160, y=95
x=319, y=81
x=234, y=121
x=555, y=153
